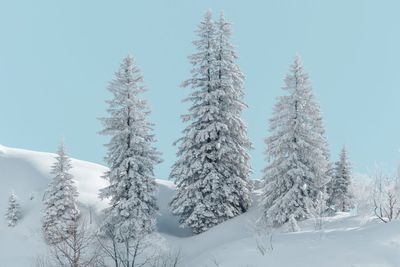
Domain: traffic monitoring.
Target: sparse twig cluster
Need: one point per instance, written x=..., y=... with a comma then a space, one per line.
x=386, y=196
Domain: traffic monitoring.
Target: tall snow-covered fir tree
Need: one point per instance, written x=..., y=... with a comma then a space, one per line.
x=340, y=195
x=60, y=200
x=212, y=170
x=297, y=152
x=131, y=158
x=13, y=210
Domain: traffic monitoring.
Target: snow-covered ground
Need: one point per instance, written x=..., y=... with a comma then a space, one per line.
x=346, y=241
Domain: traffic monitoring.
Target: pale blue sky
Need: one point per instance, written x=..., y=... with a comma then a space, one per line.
x=56, y=58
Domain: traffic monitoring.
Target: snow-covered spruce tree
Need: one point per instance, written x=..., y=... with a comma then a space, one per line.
x=13, y=211
x=131, y=158
x=339, y=188
x=297, y=152
x=60, y=201
x=212, y=170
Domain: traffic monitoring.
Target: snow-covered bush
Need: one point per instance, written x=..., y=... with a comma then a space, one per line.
x=13, y=214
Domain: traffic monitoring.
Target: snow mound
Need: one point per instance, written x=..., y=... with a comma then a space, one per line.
x=345, y=241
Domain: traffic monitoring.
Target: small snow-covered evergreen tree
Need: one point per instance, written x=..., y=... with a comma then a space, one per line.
x=131, y=158
x=339, y=188
x=60, y=201
x=13, y=211
x=297, y=150
x=212, y=170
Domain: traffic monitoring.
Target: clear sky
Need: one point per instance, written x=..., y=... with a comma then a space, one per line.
x=56, y=58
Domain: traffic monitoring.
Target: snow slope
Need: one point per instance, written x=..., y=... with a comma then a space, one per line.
x=27, y=174
x=346, y=241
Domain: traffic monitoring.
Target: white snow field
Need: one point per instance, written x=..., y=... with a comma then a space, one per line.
x=345, y=241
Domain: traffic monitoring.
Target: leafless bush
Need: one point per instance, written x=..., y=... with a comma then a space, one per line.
x=139, y=252
x=169, y=259
x=42, y=261
x=386, y=196
x=264, y=237
x=77, y=250
x=318, y=210
x=362, y=188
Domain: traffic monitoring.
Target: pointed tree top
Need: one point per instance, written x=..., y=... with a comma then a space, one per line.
x=297, y=78
x=222, y=16
x=343, y=153
x=128, y=59
x=208, y=15
x=61, y=147
x=224, y=25
x=13, y=195
x=298, y=62
x=127, y=63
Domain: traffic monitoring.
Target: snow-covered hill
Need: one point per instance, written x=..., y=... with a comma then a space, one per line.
x=346, y=241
